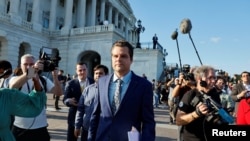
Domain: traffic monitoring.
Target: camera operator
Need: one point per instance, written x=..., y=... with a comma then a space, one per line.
x=30, y=129
x=186, y=83
x=192, y=111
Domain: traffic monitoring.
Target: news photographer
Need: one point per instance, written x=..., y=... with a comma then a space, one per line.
x=30, y=129
x=186, y=83
x=195, y=110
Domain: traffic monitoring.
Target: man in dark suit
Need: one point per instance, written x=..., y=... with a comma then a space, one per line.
x=155, y=40
x=135, y=108
x=241, y=90
x=72, y=94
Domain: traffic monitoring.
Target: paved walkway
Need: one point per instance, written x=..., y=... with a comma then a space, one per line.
x=58, y=122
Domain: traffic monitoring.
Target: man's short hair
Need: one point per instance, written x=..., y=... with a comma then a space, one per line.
x=106, y=70
x=124, y=43
x=28, y=56
x=81, y=63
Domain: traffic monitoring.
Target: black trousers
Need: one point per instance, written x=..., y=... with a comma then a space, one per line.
x=70, y=133
x=56, y=101
x=84, y=135
x=40, y=134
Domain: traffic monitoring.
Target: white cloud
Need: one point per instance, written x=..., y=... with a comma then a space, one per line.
x=215, y=39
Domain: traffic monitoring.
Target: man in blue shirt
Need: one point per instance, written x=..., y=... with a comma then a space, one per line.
x=85, y=106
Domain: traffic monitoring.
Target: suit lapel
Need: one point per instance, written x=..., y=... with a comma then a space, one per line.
x=106, y=97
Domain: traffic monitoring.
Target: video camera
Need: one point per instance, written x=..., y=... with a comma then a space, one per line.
x=186, y=72
x=216, y=113
x=51, y=58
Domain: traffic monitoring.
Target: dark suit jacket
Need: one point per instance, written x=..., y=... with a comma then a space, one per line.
x=238, y=88
x=73, y=89
x=136, y=109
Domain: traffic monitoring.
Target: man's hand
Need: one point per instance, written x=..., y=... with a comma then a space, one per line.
x=77, y=132
x=201, y=109
x=242, y=94
x=72, y=101
x=55, y=73
x=39, y=65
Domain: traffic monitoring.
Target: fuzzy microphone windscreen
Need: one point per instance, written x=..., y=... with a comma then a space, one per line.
x=185, y=26
x=174, y=35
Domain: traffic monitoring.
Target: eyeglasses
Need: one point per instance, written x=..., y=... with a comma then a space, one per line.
x=28, y=64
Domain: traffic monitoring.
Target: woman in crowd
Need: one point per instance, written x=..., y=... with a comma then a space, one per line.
x=15, y=102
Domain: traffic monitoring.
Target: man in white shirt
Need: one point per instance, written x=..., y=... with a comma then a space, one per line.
x=30, y=129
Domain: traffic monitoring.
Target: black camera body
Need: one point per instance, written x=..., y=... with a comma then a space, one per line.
x=186, y=72
x=189, y=76
x=186, y=68
x=51, y=58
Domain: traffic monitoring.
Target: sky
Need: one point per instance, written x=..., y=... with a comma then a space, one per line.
x=220, y=31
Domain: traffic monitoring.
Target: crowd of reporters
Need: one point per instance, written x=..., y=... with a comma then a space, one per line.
x=198, y=97
x=203, y=97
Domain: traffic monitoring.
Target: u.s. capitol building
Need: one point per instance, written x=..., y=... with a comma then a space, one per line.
x=82, y=30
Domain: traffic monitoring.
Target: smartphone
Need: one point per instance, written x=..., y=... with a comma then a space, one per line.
x=31, y=72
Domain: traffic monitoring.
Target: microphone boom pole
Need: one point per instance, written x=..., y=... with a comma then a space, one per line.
x=174, y=37
x=194, y=47
x=185, y=28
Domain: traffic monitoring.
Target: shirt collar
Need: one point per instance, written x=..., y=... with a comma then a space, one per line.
x=125, y=79
x=82, y=81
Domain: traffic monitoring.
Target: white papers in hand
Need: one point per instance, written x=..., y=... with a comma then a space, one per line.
x=133, y=135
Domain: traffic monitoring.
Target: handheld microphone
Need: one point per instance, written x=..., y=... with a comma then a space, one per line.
x=185, y=26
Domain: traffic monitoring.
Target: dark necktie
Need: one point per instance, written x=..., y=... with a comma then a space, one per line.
x=117, y=96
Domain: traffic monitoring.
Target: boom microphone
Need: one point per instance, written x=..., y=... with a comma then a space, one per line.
x=185, y=26
x=174, y=35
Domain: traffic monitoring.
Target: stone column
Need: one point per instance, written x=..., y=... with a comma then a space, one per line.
x=35, y=16
x=122, y=22
x=110, y=14
x=35, y=11
x=2, y=6
x=82, y=13
x=52, y=15
x=14, y=12
x=93, y=11
x=126, y=29
x=68, y=15
x=14, y=6
x=102, y=16
x=116, y=18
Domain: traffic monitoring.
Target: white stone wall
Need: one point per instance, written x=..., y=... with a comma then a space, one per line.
x=72, y=45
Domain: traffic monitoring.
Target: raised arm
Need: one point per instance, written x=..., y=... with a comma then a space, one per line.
x=57, y=90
